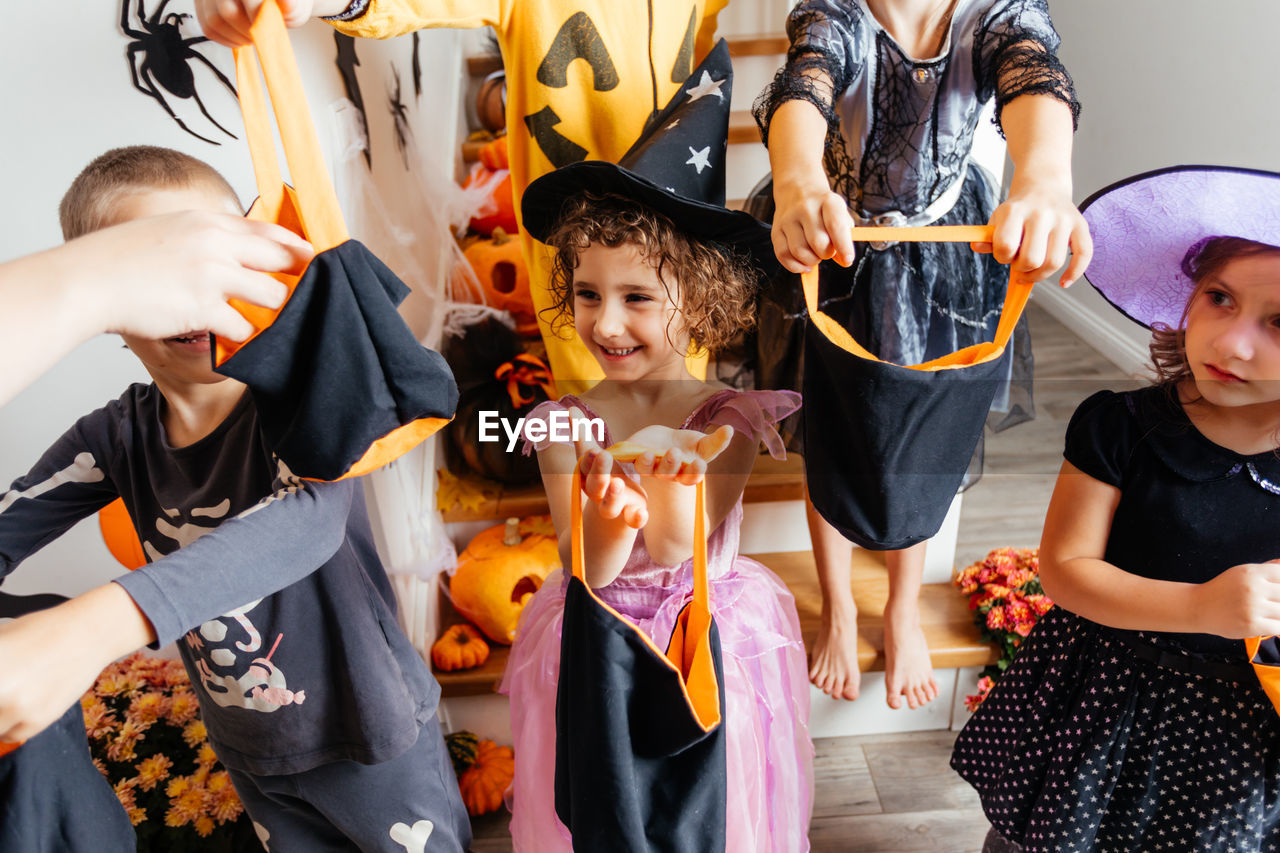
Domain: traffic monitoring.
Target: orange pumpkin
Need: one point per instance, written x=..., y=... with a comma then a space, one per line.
x=484, y=783
x=7, y=747
x=500, y=208
x=460, y=647
x=499, y=265
x=499, y=570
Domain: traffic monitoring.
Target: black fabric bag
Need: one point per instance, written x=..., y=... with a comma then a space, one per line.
x=886, y=445
x=340, y=383
x=640, y=752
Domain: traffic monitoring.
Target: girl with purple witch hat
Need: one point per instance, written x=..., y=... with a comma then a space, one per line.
x=1131, y=718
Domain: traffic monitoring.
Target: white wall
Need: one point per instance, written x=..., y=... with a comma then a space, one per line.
x=1163, y=82
x=69, y=99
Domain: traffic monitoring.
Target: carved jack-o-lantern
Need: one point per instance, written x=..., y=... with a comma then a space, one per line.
x=500, y=569
x=499, y=265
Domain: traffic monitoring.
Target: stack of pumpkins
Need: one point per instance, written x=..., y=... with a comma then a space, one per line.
x=497, y=573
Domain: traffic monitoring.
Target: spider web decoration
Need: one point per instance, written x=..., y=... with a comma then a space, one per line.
x=165, y=65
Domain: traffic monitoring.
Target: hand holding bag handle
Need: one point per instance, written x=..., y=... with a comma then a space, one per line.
x=310, y=207
x=688, y=652
x=1014, y=303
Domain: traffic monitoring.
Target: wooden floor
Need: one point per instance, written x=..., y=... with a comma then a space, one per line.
x=896, y=792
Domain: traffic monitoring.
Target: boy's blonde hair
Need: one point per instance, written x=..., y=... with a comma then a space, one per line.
x=90, y=202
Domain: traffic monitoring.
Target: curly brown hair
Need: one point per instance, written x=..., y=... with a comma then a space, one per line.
x=1201, y=262
x=715, y=286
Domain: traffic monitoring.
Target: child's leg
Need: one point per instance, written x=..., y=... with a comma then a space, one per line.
x=833, y=666
x=53, y=800
x=409, y=803
x=908, y=672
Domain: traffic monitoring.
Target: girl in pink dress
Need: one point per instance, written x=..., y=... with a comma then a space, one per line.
x=641, y=292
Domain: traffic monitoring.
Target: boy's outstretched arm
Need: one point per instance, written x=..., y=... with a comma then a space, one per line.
x=51, y=657
x=155, y=278
x=1038, y=224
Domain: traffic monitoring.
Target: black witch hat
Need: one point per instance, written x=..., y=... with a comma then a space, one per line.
x=676, y=167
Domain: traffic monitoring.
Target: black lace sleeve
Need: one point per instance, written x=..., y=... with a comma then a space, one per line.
x=1016, y=54
x=821, y=61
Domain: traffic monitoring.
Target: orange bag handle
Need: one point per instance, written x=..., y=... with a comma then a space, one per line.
x=690, y=659
x=322, y=221
x=1015, y=300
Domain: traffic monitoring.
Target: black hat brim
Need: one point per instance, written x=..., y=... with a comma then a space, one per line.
x=544, y=201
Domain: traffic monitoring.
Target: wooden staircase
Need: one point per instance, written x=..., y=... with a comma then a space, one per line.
x=948, y=624
x=944, y=615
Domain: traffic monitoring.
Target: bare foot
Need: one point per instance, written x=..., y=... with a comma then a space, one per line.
x=834, y=667
x=908, y=671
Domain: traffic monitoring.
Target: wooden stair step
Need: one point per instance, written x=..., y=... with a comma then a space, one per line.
x=944, y=615
x=771, y=480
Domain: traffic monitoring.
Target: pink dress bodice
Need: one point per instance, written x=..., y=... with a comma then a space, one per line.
x=753, y=413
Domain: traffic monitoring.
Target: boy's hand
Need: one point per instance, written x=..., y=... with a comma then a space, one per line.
x=810, y=224
x=1243, y=601
x=227, y=21
x=678, y=455
x=1034, y=230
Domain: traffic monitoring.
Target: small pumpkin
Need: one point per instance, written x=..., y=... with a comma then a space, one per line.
x=499, y=570
x=462, y=747
x=484, y=784
x=493, y=170
x=459, y=647
x=499, y=266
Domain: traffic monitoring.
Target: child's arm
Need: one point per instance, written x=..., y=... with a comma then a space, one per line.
x=1038, y=223
x=609, y=522
x=276, y=542
x=796, y=115
x=227, y=21
x=1243, y=601
x=810, y=222
x=1036, y=108
x=155, y=277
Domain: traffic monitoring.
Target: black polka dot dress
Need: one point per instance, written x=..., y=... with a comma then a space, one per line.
x=1099, y=739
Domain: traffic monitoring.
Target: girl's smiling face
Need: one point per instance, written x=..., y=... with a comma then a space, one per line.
x=1233, y=333
x=626, y=315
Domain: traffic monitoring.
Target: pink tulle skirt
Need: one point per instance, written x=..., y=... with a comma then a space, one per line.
x=769, y=753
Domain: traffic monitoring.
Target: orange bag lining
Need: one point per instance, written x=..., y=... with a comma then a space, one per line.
x=689, y=652
x=1015, y=300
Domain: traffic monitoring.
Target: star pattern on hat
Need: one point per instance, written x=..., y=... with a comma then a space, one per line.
x=706, y=86
x=700, y=159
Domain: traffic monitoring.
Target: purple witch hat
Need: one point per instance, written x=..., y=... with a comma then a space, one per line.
x=1144, y=226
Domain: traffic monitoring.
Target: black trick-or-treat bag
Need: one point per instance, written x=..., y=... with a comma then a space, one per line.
x=887, y=445
x=640, y=752
x=340, y=383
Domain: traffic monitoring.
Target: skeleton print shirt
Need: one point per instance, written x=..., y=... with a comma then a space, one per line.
x=901, y=127
x=283, y=614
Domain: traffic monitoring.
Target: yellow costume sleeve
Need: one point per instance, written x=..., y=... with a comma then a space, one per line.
x=583, y=77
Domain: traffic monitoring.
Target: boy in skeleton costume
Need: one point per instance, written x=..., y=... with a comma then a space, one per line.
x=315, y=701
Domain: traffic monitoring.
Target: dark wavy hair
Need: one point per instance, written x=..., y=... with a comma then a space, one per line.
x=1201, y=262
x=714, y=286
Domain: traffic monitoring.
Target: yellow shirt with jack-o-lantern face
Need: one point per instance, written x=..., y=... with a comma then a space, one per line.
x=583, y=76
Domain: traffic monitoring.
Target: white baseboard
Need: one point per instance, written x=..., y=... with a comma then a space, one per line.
x=1099, y=325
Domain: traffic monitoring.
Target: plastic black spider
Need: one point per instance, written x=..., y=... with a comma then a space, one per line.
x=158, y=59
x=399, y=116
